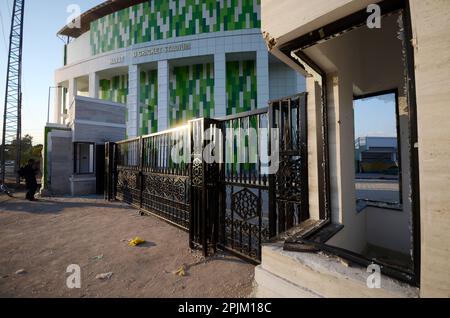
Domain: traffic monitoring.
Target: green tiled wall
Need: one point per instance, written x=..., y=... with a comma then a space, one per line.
x=241, y=86
x=149, y=102
x=191, y=93
x=164, y=19
x=114, y=89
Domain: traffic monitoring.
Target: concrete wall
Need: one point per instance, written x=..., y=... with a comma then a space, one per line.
x=288, y=19
x=79, y=49
x=283, y=81
x=83, y=185
x=389, y=229
x=431, y=25
x=98, y=121
x=60, y=161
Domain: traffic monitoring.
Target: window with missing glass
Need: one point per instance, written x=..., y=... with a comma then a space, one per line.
x=377, y=155
x=84, y=158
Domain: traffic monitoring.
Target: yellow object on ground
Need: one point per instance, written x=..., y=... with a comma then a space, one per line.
x=181, y=271
x=137, y=241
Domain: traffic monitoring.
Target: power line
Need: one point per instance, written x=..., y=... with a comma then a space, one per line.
x=9, y=8
x=3, y=31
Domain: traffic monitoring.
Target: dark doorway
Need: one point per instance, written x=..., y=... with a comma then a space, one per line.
x=100, y=168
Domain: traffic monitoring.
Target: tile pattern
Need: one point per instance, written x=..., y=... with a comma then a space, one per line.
x=148, y=102
x=241, y=86
x=114, y=89
x=191, y=91
x=164, y=19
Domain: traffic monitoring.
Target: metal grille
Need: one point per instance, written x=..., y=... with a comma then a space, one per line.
x=244, y=214
x=166, y=184
x=237, y=203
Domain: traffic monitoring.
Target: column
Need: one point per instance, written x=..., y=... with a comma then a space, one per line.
x=220, y=91
x=262, y=77
x=57, y=108
x=163, y=95
x=73, y=91
x=93, y=85
x=133, y=101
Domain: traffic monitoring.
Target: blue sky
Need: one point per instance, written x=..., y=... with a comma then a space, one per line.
x=375, y=117
x=42, y=54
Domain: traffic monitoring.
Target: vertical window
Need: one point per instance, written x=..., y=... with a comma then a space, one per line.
x=84, y=158
x=377, y=160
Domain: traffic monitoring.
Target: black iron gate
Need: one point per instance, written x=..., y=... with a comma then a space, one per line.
x=255, y=188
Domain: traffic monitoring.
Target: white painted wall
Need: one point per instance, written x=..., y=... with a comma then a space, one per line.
x=431, y=24
x=79, y=49
x=288, y=19
x=284, y=81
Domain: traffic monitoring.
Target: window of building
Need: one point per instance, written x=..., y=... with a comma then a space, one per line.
x=84, y=158
x=377, y=160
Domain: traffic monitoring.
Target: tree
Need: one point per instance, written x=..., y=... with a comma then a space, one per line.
x=28, y=151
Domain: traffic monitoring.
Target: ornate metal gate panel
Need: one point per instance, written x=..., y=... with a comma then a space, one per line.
x=289, y=196
x=165, y=183
x=244, y=215
x=236, y=203
x=128, y=172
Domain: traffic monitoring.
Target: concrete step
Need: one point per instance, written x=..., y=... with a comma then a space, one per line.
x=272, y=286
x=290, y=274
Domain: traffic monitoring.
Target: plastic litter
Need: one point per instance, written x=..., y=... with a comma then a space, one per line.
x=181, y=271
x=136, y=242
x=97, y=258
x=21, y=272
x=104, y=276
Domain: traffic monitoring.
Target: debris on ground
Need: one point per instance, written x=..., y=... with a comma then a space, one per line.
x=97, y=258
x=104, y=276
x=136, y=242
x=21, y=272
x=181, y=271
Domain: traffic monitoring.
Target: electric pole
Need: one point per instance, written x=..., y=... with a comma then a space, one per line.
x=12, y=116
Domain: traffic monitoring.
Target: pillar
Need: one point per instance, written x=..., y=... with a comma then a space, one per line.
x=220, y=91
x=133, y=101
x=57, y=110
x=163, y=95
x=93, y=85
x=262, y=77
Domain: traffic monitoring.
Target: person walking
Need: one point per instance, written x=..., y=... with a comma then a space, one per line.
x=29, y=172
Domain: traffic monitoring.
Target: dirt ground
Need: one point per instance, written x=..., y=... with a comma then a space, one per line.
x=43, y=238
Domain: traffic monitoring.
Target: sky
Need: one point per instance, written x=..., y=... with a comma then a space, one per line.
x=42, y=55
x=375, y=117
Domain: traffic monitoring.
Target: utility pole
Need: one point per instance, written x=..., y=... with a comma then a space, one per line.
x=12, y=116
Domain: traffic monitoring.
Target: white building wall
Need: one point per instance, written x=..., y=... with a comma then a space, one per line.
x=133, y=101
x=79, y=49
x=284, y=81
x=163, y=95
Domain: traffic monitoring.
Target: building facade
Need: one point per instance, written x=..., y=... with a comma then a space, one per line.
x=161, y=63
x=347, y=56
x=376, y=155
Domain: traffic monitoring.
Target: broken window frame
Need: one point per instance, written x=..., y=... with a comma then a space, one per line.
x=314, y=240
x=399, y=207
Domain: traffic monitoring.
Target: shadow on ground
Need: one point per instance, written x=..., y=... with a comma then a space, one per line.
x=46, y=206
